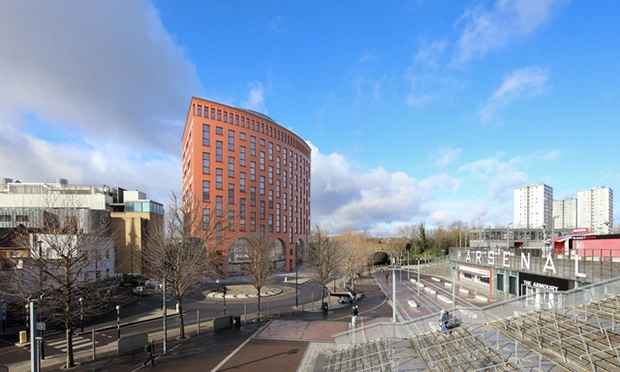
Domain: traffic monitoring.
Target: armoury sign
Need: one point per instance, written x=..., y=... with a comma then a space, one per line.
x=502, y=259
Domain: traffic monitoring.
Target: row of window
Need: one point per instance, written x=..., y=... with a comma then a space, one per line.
x=251, y=124
x=219, y=146
x=273, y=224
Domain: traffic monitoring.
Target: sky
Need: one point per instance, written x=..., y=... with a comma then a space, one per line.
x=416, y=111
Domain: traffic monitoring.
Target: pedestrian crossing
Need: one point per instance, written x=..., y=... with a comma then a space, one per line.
x=79, y=342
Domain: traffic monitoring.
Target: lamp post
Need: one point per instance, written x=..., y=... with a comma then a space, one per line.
x=3, y=315
x=296, y=283
x=418, y=276
x=224, y=290
x=27, y=320
x=81, y=314
x=118, y=321
x=508, y=236
x=217, y=281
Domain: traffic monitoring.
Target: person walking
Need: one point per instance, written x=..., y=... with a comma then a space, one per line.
x=445, y=316
x=150, y=348
x=354, y=313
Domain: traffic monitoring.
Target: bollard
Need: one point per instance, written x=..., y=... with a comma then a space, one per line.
x=198, y=321
x=93, y=342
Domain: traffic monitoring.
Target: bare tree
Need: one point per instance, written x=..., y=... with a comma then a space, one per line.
x=356, y=249
x=324, y=256
x=71, y=252
x=182, y=251
x=259, y=262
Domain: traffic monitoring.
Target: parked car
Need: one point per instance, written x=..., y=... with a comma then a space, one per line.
x=142, y=290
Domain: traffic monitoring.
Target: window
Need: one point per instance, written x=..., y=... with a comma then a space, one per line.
x=212, y=113
x=242, y=214
x=270, y=199
x=225, y=116
x=236, y=119
x=219, y=115
x=252, y=196
x=270, y=222
x=242, y=136
x=512, y=285
x=252, y=146
x=262, y=185
x=278, y=189
x=218, y=206
x=206, y=190
x=218, y=151
x=218, y=178
x=206, y=163
x=206, y=111
x=205, y=135
x=205, y=218
x=242, y=156
x=242, y=182
x=500, y=282
x=270, y=175
x=262, y=209
x=243, y=122
x=231, y=140
x=253, y=221
x=252, y=171
x=219, y=130
x=199, y=111
x=231, y=167
x=231, y=219
x=278, y=217
x=278, y=148
x=231, y=193
x=262, y=142
x=262, y=160
x=277, y=165
x=270, y=151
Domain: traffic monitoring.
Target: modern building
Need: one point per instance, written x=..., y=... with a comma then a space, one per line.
x=133, y=217
x=78, y=210
x=533, y=206
x=595, y=210
x=245, y=166
x=565, y=213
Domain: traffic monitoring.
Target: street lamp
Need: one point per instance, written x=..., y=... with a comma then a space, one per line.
x=3, y=315
x=418, y=276
x=81, y=314
x=296, y=280
x=27, y=320
x=508, y=236
x=217, y=281
x=118, y=321
x=224, y=290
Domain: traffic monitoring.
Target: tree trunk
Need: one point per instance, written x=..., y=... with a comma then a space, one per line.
x=69, y=338
x=181, y=321
x=258, y=306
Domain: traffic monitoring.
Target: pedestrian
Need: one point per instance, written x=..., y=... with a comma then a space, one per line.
x=354, y=313
x=150, y=349
x=445, y=316
x=387, y=276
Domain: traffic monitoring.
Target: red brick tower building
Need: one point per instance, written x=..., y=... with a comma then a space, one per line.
x=244, y=166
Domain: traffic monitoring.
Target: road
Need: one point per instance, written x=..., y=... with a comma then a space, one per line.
x=207, y=308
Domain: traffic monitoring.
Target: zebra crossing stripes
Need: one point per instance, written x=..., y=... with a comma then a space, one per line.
x=79, y=342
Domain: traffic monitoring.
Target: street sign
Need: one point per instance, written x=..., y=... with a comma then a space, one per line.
x=40, y=326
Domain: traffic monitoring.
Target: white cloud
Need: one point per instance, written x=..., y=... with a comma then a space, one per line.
x=429, y=53
x=519, y=84
x=256, y=100
x=371, y=200
x=95, y=92
x=445, y=155
x=509, y=21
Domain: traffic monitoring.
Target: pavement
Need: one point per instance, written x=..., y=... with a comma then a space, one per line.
x=299, y=341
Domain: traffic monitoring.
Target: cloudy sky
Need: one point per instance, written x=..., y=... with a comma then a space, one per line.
x=415, y=110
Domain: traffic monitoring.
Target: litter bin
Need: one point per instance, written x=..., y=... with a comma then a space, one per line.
x=324, y=307
x=237, y=321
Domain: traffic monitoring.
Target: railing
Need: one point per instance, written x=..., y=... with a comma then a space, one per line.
x=475, y=317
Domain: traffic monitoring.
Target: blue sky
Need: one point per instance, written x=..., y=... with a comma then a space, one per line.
x=416, y=110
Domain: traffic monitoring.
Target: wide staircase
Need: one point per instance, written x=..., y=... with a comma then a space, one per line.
x=576, y=331
x=376, y=355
